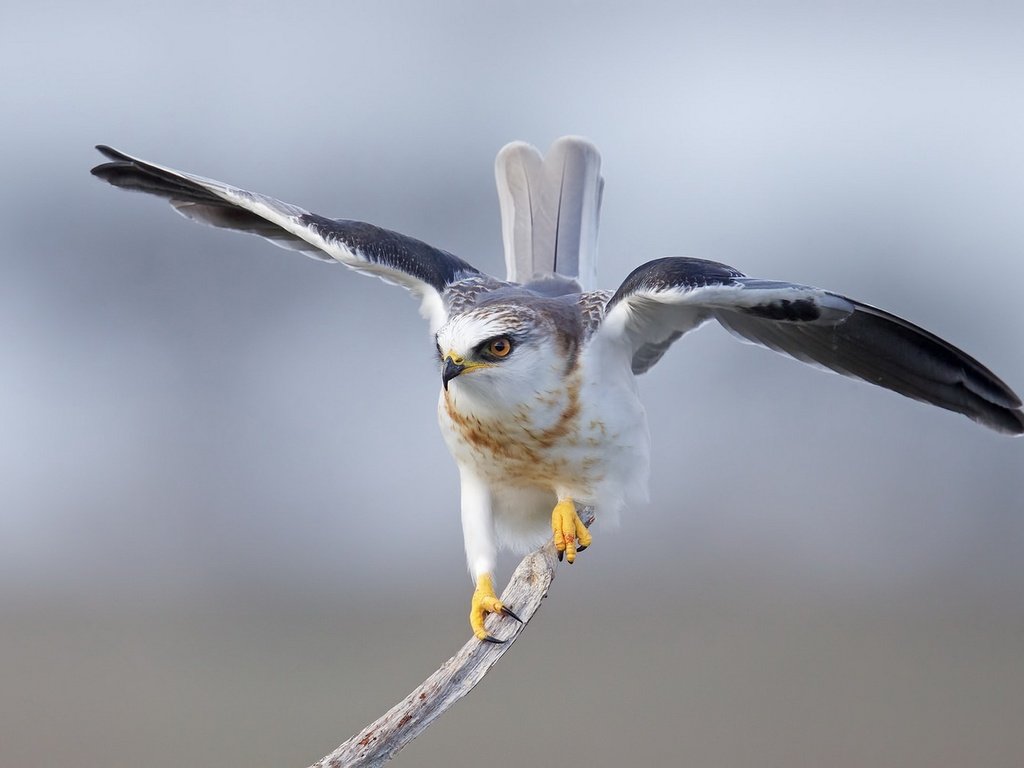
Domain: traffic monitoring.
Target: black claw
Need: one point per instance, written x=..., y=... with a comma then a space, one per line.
x=489, y=639
x=580, y=549
x=511, y=615
x=561, y=554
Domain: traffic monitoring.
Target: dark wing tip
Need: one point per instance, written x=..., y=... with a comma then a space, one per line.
x=109, y=171
x=126, y=172
x=110, y=152
x=1008, y=421
x=105, y=170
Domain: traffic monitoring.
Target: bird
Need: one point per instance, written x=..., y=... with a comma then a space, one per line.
x=538, y=402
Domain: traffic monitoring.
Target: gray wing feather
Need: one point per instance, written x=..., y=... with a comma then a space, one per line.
x=662, y=300
x=194, y=198
x=424, y=270
x=880, y=348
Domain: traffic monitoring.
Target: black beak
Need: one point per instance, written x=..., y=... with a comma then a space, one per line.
x=450, y=371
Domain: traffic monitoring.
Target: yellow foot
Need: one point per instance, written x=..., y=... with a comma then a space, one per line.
x=568, y=528
x=484, y=602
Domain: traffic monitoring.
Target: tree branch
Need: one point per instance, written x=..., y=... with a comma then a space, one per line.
x=381, y=740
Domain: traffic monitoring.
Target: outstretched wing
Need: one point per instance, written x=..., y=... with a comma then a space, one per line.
x=663, y=299
x=423, y=270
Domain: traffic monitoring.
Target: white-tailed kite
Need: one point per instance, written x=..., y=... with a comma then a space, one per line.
x=538, y=404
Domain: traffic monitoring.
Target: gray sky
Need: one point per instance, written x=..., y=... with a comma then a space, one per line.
x=198, y=409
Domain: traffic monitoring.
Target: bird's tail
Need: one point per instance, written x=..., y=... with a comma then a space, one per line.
x=549, y=209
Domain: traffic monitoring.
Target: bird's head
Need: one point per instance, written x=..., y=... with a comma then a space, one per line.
x=504, y=352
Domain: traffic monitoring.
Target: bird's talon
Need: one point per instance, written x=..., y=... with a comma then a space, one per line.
x=486, y=601
x=567, y=529
x=505, y=610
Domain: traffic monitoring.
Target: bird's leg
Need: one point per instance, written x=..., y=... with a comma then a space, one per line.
x=567, y=529
x=486, y=601
x=481, y=554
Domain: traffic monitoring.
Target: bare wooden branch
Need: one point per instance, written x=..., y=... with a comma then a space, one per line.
x=381, y=740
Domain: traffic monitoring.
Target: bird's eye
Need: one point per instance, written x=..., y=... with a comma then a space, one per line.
x=499, y=347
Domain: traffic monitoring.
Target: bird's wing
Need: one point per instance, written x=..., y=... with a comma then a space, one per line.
x=425, y=271
x=663, y=299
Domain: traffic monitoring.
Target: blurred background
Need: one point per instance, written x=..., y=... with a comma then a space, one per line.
x=229, y=529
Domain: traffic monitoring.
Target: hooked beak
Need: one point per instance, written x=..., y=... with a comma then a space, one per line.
x=451, y=369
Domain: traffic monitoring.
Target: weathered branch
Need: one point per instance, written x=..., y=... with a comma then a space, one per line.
x=382, y=739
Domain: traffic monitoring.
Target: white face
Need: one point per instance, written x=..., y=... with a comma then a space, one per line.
x=497, y=359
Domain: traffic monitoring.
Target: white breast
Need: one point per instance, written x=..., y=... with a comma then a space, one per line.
x=584, y=436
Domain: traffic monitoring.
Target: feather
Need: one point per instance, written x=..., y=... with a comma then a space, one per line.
x=550, y=208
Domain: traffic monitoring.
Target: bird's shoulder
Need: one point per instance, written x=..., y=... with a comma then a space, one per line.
x=592, y=305
x=467, y=292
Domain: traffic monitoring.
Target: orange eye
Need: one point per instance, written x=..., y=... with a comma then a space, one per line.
x=499, y=347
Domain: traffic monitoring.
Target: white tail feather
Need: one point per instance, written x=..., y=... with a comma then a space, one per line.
x=550, y=207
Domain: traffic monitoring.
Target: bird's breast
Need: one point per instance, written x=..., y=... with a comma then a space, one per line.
x=546, y=440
